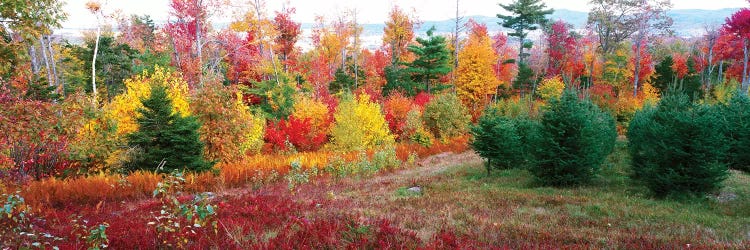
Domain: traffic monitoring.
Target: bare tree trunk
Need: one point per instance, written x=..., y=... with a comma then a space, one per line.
x=198, y=44
x=270, y=49
x=636, y=74
x=43, y=47
x=58, y=88
x=720, y=78
x=34, y=59
x=93, y=61
x=456, y=30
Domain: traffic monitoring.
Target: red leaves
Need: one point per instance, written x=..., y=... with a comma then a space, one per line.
x=679, y=66
x=561, y=47
x=739, y=23
x=297, y=132
x=645, y=62
x=289, y=32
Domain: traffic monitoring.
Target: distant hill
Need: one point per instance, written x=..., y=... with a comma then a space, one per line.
x=686, y=22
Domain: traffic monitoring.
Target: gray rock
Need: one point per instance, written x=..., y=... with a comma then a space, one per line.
x=416, y=190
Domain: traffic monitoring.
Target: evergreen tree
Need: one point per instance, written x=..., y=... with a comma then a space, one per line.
x=166, y=136
x=525, y=79
x=736, y=113
x=433, y=59
x=341, y=81
x=397, y=78
x=665, y=79
x=575, y=138
x=678, y=147
x=525, y=16
x=663, y=76
x=503, y=140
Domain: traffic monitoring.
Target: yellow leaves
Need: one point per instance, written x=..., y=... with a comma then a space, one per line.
x=650, y=94
x=307, y=108
x=360, y=125
x=476, y=78
x=551, y=88
x=123, y=109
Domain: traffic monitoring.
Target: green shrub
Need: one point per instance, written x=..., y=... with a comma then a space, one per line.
x=737, y=131
x=574, y=139
x=503, y=141
x=446, y=117
x=677, y=147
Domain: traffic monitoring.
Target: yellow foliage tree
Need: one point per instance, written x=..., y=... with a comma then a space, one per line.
x=650, y=94
x=398, y=34
x=103, y=135
x=475, y=76
x=123, y=108
x=228, y=129
x=360, y=125
x=551, y=88
x=308, y=108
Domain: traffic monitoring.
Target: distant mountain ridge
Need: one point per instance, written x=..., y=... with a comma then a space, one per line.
x=687, y=22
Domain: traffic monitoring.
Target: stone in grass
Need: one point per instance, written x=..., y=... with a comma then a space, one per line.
x=409, y=191
x=415, y=190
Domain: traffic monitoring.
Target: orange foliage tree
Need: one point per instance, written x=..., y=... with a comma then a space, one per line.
x=398, y=34
x=476, y=75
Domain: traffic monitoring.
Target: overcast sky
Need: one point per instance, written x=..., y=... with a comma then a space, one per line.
x=370, y=11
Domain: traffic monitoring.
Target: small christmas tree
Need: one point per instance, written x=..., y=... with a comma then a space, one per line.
x=166, y=136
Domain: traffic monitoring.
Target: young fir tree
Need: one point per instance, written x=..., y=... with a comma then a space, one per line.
x=736, y=113
x=575, y=138
x=525, y=16
x=677, y=148
x=166, y=136
x=433, y=60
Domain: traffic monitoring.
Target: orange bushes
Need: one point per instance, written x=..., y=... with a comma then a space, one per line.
x=251, y=170
x=457, y=145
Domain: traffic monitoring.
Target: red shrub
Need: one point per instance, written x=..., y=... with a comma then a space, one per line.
x=296, y=132
x=396, y=108
x=422, y=99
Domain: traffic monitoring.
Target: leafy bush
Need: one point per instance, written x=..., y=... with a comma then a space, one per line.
x=446, y=117
x=228, y=129
x=677, y=147
x=320, y=115
x=504, y=141
x=737, y=131
x=414, y=129
x=550, y=88
x=575, y=137
x=295, y=132
x=169, y=141
x=396, y=108
x=360, y=125
x=177, y=221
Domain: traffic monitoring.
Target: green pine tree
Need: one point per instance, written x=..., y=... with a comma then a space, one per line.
x=525, y=79
x=663, y=76
x=575, y=139
x=433, y=59
x=525, y=16
x=164, y=136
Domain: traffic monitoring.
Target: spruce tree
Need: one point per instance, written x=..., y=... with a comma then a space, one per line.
x=433, y=59
x=166, y=136
x=678, y=147
x=575, y=138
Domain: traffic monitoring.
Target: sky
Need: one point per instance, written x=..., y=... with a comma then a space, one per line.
x=369, y=11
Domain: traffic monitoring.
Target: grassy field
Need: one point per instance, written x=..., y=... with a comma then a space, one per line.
x=507, y=209
x=459, y=206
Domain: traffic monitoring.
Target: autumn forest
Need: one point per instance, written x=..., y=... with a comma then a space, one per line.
x=264, y=132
